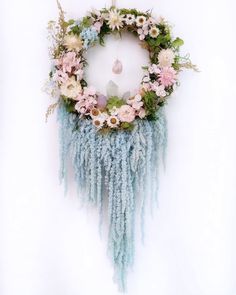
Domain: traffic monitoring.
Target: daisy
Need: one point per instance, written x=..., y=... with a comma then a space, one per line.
x=113, y=121
x=94, y=113
x=140, y=21
x=154, y=32
x=115, y=20
x=129, y=19
x=99, y=121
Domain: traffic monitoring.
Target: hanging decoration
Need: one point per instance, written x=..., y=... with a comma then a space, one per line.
x=115, y=142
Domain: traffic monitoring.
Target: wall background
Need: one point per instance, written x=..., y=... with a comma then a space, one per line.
x=49, y=245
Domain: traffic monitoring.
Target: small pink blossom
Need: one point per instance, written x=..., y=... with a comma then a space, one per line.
x=167, y=76
x=141, y=113
x=143, y=32
x=97, y=26
x=154, y=69
x=60, y=76
x=89, y=91
x=126, y=113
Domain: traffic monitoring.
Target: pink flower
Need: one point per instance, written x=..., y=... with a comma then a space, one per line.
x=89, y=91
x=167, y=76
x=141, y=113
x=143, y=32
x=97, y=26
x=60, y=76
x=126, y=113
x=68, y=62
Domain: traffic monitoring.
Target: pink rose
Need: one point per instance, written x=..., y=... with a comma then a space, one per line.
x=126, y=113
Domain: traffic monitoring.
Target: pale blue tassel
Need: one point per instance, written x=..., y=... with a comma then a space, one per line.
x=119, y=167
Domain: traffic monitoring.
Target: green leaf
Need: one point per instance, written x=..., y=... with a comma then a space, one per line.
x=127, y=126
x=86, y=22
x=177, y=42
x=150, y=100
x=114, y=101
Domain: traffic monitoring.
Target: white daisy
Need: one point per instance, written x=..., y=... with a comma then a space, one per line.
x=99, y=121
x=141, y=20
x=113, y=121
x=95, y=113
x=129, y=19
x=154, y=32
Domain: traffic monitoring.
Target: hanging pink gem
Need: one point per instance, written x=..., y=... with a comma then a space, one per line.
x=117, y=67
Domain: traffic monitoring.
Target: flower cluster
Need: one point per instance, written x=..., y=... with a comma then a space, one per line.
x=75, y=37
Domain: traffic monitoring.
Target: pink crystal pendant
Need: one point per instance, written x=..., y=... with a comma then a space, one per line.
x=117, y=67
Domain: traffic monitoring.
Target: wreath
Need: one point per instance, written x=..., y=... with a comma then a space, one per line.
x=119, y=166
x=73, y=40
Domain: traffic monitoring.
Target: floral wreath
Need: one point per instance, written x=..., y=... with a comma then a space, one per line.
x=73, y=38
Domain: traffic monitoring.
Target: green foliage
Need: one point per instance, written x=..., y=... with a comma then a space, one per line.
x=86, y=22
x=127, y=126
x=177, y=43
x=69, y=104
x=76, y=30
x=135, y=12
x=114, y=101
x=105, y=30
x=150, y=103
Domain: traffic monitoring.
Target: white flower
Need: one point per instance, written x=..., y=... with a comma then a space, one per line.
x=154, y=69
x=159, y=89
x=154, y=32
x=99, y=121
x=166, y=57
x=143, y=32
x=113, y=121
x=129, y=19
x=95, y=113
x=115, y=20
x=71, y=88
x=140, y=21
x=137, y=105
x=146, y=79
x=73, y=42
x=114, y=111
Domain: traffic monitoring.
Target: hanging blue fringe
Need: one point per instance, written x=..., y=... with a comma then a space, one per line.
x=119, y=168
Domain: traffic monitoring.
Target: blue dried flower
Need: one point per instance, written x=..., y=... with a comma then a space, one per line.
x=89, y=35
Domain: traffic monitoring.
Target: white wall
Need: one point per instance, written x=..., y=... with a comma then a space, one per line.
x=49, y=245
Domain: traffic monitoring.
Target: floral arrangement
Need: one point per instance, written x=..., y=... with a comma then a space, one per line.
x=73, y=38
x=119, y=166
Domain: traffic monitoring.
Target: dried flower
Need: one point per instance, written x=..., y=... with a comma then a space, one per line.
x=73, y=42
x=126, y=113
x=166, y=57
x=115, y=20
x=71, y=88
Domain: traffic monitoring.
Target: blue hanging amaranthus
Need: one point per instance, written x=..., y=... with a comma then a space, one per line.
x=118, y=167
